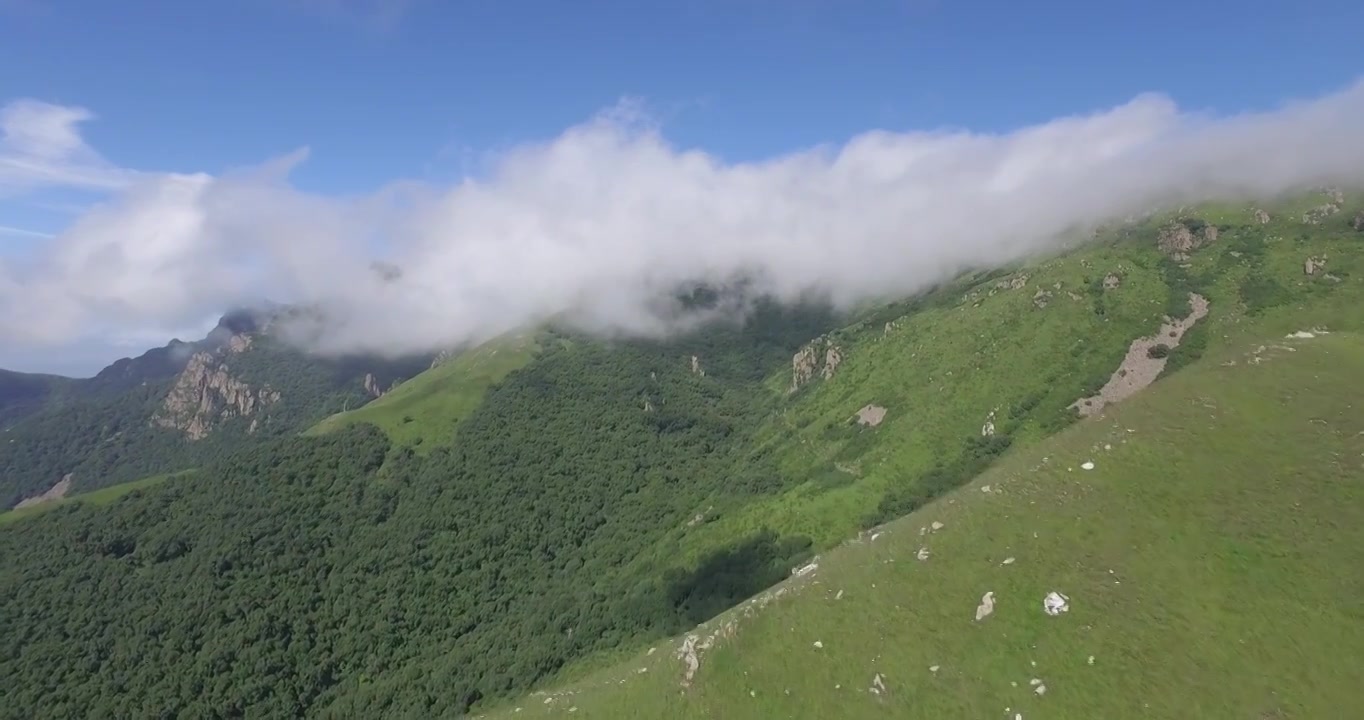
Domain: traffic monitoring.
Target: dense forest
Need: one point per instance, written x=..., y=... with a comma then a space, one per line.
x=336, y=574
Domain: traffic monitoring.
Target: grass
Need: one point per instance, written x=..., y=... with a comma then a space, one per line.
x=941, y=368
x=426, y=410
x=102, y=496
x=1206, y=557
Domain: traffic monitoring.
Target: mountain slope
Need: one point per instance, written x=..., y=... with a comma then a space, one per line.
x=431, y=406
x=602, y=495
x=174, y=407
x=24, y=393
x=1204, y=557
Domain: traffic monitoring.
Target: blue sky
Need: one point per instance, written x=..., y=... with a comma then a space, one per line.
x=382, y=90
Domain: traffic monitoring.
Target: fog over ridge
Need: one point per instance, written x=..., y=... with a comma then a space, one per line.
x=598, y=222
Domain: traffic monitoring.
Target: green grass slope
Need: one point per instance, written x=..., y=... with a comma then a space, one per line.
x=1016, y=349
x=102, y=496
x=430, y=407
x=1209, y=557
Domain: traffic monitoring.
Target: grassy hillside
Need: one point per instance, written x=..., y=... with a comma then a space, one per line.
x=555, y=505
x=1206, y=556
x=1016, y=349
x=103, y=496
x=426, y=410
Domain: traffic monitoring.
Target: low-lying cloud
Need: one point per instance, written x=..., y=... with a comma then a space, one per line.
x=597, y=223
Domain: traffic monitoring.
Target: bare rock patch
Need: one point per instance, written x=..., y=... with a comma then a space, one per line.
x=56, y=492
x=871, y=415
x=1141, y=366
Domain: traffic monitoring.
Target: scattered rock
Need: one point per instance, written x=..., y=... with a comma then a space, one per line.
x=1178, y=239
x=805, y=569
x=1112, y=281
x=988, y=428
x=1261, y=216
x=1358, y=222
x=1014, y=283
x=696, y=366
x=922, y=554
x=987, y=606
x=1055, y=603
x=839, y=596
x=877, y=685
x=985, y=488
x=687, y=654
x=871, y=415
x=1321, y=212
x=1040, y=689
x=1311, y=265
x=1041, y=298
x=1091, y=660
x=1087, y=465
x=1008, y=561
x=936, y=526
x=819, y=645
x=933, y=668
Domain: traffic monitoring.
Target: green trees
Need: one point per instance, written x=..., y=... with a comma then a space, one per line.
x=302, y=576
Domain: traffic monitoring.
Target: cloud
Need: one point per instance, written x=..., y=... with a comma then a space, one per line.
x=41, y=147
x=596, y=223
x=21, y=232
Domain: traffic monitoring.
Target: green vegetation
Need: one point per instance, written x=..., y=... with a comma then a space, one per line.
x=409, y=584
x=427, y=410
x=103, y=496
x=1203, y=556
x=533, y=510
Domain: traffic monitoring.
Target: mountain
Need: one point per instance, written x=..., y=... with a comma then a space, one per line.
x=21, y=394
x=591, y=520
x=174, y=407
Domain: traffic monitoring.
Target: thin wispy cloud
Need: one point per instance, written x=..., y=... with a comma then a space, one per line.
x=600, y=222
x=41, y=147
x=21, y=232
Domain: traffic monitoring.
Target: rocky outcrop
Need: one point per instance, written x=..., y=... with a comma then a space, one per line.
x=696, y=368
x=206, y=394
x=1180, y=239
x=1321, y=212
x=442, y=357
x=1311, y=265
x=56, y=492
x=1261, y=216
x=1358, y=222
x=1041, y=298
x=1013, y=283
x=820, y=355
x=373, y=389
x=1112, y=281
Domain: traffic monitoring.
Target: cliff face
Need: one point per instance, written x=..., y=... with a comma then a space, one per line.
x=822, y=355
x=206, y=393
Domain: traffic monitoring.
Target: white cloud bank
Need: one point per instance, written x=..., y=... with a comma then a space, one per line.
x=601, y=219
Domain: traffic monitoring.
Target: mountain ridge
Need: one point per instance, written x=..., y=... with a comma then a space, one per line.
x=588, y=498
